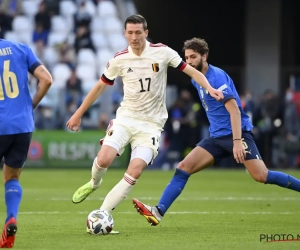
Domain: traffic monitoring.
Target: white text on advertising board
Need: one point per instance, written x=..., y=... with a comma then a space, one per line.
x=72, y=150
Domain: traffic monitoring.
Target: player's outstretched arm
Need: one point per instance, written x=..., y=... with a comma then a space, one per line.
x=202, y=81
x=75, y=120
x=236, y=125
x=45, y=81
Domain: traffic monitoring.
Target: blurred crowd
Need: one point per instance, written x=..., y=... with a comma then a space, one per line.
x=66, y=54
x=73, y=40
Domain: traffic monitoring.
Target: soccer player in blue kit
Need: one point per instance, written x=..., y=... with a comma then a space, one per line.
x=16, y=122
x=230, y=134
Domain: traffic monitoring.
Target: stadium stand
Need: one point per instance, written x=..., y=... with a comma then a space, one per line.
x=83, y=35
x=74, y=34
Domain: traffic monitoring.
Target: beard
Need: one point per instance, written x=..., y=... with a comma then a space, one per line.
x=200, y=66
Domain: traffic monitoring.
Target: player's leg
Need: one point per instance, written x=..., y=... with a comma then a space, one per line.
x=198, y=159
x=13, y=196
x=144, y=143
x=140, y=157
x=116, y=138
x=103, y=160
x=259, y=172
x=15, y=156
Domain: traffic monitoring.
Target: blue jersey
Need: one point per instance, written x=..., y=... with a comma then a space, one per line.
x=217, y=114
x=16, y=111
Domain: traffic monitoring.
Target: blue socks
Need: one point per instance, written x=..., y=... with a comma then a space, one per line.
x=180, y=178
x=283, y=180
x=173, y=190
x=13, y=196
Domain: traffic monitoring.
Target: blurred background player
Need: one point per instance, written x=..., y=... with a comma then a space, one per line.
x=230, y=133
x=17, y=123
x=142, y=114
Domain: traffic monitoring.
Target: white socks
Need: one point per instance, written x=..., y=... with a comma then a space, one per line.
x=118, y=193
x=97, y=174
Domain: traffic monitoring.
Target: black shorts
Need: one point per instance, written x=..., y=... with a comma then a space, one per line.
x=222, y=147
x=14, y=149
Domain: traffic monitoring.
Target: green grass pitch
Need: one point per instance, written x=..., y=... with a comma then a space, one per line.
x=219, y=209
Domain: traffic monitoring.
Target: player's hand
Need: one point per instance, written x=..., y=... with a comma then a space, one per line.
x=217, y=94
x=239, y=152
x=74, y=123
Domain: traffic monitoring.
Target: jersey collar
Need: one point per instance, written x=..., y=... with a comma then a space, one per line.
x=209, y=71
x=146, y=47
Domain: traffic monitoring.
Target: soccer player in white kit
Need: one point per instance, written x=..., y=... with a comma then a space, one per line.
x=142, y=114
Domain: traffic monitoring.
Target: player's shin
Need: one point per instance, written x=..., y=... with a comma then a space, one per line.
x=97, y=174
x=173, y=190
x=118, y=193
x=283, y=180
x=13, y=196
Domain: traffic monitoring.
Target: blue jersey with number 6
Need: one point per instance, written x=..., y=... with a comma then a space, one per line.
x=16, y=111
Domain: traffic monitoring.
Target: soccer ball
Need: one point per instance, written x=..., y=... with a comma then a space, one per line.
x=99, y=222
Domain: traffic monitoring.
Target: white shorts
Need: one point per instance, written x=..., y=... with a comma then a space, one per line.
x=144, y=134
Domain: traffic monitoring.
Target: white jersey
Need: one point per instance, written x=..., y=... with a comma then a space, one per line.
x=145, y=79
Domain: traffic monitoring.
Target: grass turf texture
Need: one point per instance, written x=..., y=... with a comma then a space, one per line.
x=219, y=209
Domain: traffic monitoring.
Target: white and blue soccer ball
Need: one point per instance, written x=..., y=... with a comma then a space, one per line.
x=99, y=222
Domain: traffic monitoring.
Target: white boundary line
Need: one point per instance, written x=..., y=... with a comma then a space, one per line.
x=174, y=213
x=230, y=198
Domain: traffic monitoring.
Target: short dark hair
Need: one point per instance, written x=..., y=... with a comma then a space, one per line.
x=197, y=44
x=136, y=19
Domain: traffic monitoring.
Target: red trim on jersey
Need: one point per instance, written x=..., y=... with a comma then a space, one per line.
x=157, y=45
x=121, y=52
x=181, y=65
x=106, y=80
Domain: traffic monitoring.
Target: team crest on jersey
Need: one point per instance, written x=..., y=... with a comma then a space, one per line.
x=155, y=67
x=110, y=132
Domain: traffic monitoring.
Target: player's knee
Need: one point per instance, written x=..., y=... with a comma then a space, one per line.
x=11, y=173
x=260, y=177
x=258, y=171
x=104, y=161
x=136, y=167
x=183, y=165
x=134, y=172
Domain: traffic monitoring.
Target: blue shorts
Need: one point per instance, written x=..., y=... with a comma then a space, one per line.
x=222, y=147
x=14, y=149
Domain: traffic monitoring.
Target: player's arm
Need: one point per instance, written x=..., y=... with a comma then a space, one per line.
x=91, y=97
x=235, y=118
x=202, y=81
x=40, y=72
x=45, y=81
x=236, y=125
x=110, y=73
x=174, y=60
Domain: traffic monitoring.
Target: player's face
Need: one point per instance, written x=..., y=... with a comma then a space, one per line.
x=194, y=59
x=135, y=35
